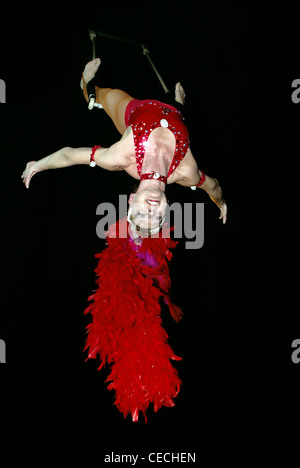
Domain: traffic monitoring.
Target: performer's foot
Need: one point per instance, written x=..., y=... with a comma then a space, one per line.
x=90, y=70
x=179, y=93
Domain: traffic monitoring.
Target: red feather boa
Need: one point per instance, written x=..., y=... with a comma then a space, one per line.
x=126, y=329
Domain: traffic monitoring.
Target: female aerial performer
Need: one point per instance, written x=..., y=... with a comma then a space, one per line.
x=132, y=272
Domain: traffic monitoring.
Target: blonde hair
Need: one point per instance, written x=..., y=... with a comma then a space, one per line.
x=142, y=232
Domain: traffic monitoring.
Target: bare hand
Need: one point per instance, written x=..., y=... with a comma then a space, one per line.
x=223, y=210
x=29, y=173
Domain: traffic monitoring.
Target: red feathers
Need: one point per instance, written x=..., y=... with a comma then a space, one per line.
x=126, y=329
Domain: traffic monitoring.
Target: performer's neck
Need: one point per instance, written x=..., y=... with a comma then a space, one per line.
x=157, y=162
x=147, y=183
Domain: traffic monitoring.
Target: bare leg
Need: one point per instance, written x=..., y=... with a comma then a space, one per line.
x=114, y=101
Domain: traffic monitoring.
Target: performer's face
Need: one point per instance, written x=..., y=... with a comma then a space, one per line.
x=147, y=207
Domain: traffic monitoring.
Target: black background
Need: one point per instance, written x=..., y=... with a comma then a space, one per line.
x=236, y=62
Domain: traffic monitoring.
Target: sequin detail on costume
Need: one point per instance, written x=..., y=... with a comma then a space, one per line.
x=150, y=114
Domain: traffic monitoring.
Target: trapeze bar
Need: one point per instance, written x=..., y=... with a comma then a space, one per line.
x=115, y=38
x=94, y=34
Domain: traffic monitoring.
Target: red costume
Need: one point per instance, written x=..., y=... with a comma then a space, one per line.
x=133, y=278
x=144, y=117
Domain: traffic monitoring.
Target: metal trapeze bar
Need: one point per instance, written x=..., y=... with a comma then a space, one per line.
x=115, y=38
x=93, y=35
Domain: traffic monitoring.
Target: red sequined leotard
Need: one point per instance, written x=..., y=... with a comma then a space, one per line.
x=144, y=116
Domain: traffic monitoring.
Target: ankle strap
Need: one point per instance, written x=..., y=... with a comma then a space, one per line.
x=155, y=176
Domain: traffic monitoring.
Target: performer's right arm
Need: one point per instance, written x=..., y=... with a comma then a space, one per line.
x=107, y=158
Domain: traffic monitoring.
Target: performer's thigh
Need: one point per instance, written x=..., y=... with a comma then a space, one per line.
x=114, y=102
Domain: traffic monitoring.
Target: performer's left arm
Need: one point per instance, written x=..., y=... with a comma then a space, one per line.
x=213, y=189
x=190, y=176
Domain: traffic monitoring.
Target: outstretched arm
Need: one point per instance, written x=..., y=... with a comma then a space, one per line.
x=191, y=172
x=189, y=176
x=107, y=158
